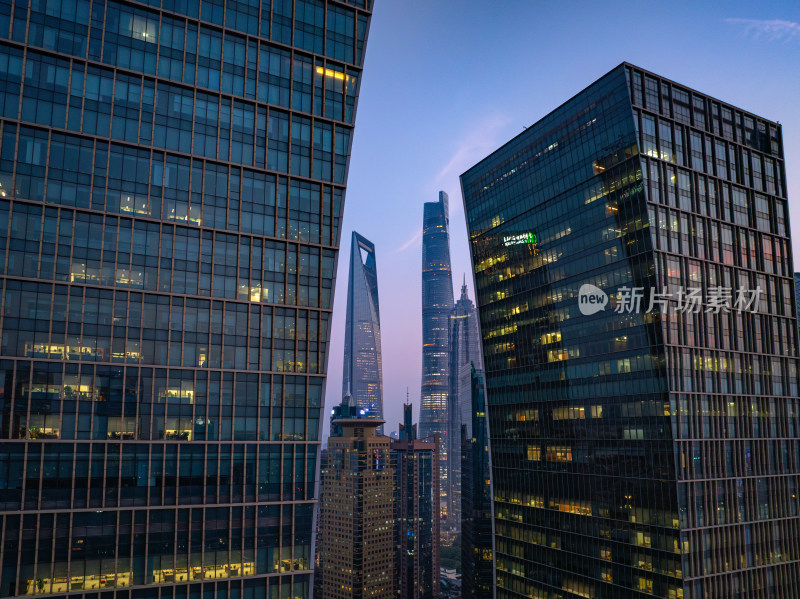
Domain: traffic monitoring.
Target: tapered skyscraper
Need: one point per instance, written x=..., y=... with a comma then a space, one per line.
x=437, y=304
x=463, y=349
x=171, y=184
x=362, y=377
x=640, y=448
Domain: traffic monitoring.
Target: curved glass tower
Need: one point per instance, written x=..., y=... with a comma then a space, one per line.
x=362, y=375
x=437, y=305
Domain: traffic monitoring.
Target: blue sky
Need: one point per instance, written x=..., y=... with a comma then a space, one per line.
x=446, y=82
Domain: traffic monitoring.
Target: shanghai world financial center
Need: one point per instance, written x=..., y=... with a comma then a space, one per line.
x=171, y=185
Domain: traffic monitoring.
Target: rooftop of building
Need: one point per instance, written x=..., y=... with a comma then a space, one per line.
x=620, y=66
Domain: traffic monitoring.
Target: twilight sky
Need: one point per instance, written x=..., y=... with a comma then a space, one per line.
x=446, y=82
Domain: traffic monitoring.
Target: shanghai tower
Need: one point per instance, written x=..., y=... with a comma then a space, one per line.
x=437, y=305
x=362, y=377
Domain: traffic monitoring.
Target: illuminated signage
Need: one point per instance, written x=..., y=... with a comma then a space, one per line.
x=520, y=239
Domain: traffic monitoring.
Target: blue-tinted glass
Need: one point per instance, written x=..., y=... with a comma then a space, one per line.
x=127, y=200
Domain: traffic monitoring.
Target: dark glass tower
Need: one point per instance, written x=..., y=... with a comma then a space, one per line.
x=639, y=453
x=437, y=303
x=362, y=377
x=464, y=349
x=171, y=184
x=417, y=511
x=477, y=565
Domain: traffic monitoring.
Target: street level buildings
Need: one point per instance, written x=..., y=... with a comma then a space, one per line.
x=171, y=186
x=417, y=513
x=640, y=448
x=357, y=533
x=362, y=368
x=437, y=304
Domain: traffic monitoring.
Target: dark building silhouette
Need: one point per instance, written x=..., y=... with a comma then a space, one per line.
x=357, y=492
x=651, y=450
x=437, y=304
x=171, y=188
x=417, y=511
x=464, y=349
x=477, y=569
x=362, y=371
x=345, y=410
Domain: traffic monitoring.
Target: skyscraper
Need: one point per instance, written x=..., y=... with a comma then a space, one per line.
x=437, y=303
x=634, y=285
x=171, y=186
x=463, y=349
x=357, y=492
x=363, y=377
x=417, y=512
x=477, y=564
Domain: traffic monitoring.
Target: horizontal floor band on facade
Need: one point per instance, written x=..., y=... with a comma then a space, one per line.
x=201, y=228
x=92, y=62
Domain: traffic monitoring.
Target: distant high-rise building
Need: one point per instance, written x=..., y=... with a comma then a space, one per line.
x=344, y=411
x=464, y=349
x=477, y=569
x=357, y=503
x=172, y=176
x=362, y=375
x=437, y=304
x=417, y=511
x=633, y=269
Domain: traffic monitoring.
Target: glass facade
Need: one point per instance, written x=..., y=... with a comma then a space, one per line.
x=362, y=376
x=797, y=294
x=437, y=304
x=639, y=453
x=171, y=184
x=477, y=564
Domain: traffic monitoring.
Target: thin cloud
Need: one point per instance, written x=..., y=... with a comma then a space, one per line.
x=771, y=30
x=411, y=242
x=483, y=138
x=475, y=145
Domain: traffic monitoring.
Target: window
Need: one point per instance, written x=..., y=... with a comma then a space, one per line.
x=559, y=454
x=340, y=30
